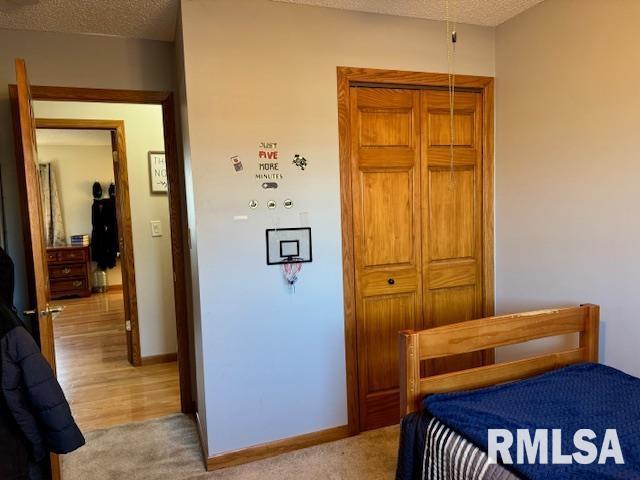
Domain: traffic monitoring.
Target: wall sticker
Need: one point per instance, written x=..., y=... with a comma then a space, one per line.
x=268, y=166
x=268, y=150
x=237, y=164
x=299, y=161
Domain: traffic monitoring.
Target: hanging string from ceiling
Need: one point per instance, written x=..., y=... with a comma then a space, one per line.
x=452, y=40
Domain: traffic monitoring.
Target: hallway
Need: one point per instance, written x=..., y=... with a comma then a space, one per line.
x=102, y=388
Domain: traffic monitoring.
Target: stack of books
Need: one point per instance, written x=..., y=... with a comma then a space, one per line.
x=80, y=240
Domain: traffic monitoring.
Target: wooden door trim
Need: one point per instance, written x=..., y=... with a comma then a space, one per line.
x=32, y=234
x=125, y=226
x=177, y=203
x=351, y=76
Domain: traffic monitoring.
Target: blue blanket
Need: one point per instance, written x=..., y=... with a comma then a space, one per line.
x=580, y=396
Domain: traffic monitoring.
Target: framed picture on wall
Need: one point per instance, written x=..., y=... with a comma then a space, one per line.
x=158, y=172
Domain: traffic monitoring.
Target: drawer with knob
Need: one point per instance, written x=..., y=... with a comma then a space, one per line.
x=69, y=271
x=62, y=285
x=73, y=255
x=66, y=271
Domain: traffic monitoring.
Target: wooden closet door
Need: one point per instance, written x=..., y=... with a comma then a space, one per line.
x=452, y=216
x=385, y=172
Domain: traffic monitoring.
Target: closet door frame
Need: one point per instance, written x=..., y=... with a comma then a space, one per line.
x=349, y=77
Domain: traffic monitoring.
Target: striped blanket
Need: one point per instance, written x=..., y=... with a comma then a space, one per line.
x=449, y=456
x=429, y=450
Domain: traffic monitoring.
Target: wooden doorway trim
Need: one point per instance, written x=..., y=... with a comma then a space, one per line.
x=348, y=77
x=177, y=204
x=123, y=210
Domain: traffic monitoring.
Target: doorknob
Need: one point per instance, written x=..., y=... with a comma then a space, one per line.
x=53, y=309
x=49, y=310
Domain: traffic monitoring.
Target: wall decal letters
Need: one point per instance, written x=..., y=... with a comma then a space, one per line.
x=268, y=155
x=268, y=170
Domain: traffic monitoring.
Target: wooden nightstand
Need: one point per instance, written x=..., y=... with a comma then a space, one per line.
x=69, y=271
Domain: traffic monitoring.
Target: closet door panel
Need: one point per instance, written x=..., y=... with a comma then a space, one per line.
x=383, y=317
x=440, y=128
x=385, y=176
x=387, y=214
x=452, y=216
x=452, y=305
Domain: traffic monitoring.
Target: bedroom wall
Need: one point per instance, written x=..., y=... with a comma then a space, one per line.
x=261, y=71
x=152, y=255
x=76, y=167
x=73, y=61
x=567, y=190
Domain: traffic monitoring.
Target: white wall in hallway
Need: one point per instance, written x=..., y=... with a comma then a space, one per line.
x=76, y=167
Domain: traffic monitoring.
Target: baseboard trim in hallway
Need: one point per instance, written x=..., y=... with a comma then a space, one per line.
x=162, y=358
x=271, y=449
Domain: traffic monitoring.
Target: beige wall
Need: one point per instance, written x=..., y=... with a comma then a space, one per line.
x=76, y=168
x=73, y=61
x=567, y=190
x=153, y=263
x=256, y=70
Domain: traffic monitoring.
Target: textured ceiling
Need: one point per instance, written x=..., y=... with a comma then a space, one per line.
x=156, y=19
x=46, y=136
x=477, y=12
x=151, y=19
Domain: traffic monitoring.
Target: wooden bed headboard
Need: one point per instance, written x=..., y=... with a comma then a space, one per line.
x=488, y=333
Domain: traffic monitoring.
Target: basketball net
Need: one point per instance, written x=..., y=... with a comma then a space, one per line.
x=290, y=272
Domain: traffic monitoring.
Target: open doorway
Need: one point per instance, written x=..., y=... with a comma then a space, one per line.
x=88, y=206
x=39, y=310
x=164, y=349
x=87, y=212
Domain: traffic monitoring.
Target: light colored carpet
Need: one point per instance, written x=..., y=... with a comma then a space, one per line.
x=168, y=448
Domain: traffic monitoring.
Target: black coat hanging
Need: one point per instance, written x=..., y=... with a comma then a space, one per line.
x=104, y=236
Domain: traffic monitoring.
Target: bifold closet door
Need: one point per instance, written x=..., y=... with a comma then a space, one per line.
x=385, y=175
x=452, y=215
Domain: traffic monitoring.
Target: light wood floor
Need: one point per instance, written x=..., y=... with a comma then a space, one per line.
x=101, y=386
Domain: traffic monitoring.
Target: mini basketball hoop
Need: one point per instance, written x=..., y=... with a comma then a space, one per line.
x=289, y=248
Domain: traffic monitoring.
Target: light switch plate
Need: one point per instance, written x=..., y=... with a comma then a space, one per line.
x=156, y=228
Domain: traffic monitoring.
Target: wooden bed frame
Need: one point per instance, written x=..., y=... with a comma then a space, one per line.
x=489, y=333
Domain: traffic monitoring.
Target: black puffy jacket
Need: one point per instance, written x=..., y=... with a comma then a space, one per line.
x=34, y=412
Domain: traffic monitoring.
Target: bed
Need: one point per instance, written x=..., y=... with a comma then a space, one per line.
x=446, y=417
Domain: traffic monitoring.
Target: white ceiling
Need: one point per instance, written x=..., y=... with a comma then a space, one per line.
x=156, y=19
x=47, y=136
x=477, y=12
x=150, y=19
